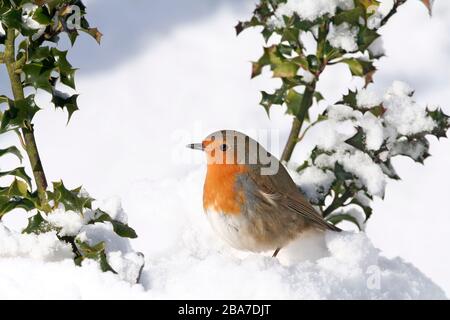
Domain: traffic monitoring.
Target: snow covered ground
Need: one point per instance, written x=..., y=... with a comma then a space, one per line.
x=181, y=83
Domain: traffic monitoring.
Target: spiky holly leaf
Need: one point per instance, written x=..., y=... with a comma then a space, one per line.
x=293, y=102
x=11, y=150
x=350, y=99
x=415, y=148
x=94, y=33
x=350, y=16
x=96, y=252
x=442, y=122
x=340, y=217
x=62, y=100
x=19, y=113
x=19, y=173
x=359, y=67
x=388, y=169
x=8, y=204
x=358, y=141
x=366, y=4
x=120, y=228
x=12, y=18
x=366, y=37
x=367, y=210
x=37, y=225
x=38, y=75
x=71, y=199
x=42, y=15
x=267, y=99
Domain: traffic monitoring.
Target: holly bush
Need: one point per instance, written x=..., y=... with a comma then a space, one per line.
x=344, y=32
x=29, y=37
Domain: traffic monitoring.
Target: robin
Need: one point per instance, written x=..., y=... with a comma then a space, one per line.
x=249, y=198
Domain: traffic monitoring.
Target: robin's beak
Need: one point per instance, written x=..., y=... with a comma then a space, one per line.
x=196, y=146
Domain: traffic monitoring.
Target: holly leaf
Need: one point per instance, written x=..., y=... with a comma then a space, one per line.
x=96, y=252
x=358, y=67
x=8, y=204
x=293, y=102
x=94, y=33
x=18, y=114
x=37, y=225
x=71, y=199
x=38, y=75
x=442, y=123
x=62, y=100
x=338, y=218
x=350, y=99
x=358, y=141
x=11, y=150
x=19, y=173
x=267, y=99
x=350, y=16
x=120, y=228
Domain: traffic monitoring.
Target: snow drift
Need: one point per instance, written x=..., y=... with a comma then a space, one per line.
x=185, y=259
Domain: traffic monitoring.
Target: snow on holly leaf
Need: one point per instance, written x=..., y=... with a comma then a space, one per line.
x=359, y=137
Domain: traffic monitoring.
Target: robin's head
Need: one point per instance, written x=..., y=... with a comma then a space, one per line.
x=234, y=148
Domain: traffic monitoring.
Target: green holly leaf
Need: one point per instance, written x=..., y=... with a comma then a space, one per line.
x=71, y=199
x=338, y=218
x=68, y=78
x=318, y=96
x=442, y=122
x=350, y=99
x=96, y=252
x=38, y=75
x=358, y=141
x=350, y=16
x=359, y=67
x=366, y=37
x=62, y=100
x=37, y=225
x=19, y=173
x=8, y=204
x=267, y=99
x=13, y=19
x=340, y=173
x=42, y=16
x=293, y=102
x=415, y=148
x=285, y=70
x=388, y=169
x=120, y=228
x=11, y=150
x=19, y=113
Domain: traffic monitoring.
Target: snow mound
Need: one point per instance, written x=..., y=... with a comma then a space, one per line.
x=186, y=260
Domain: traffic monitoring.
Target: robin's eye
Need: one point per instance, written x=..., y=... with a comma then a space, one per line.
x=223, y=147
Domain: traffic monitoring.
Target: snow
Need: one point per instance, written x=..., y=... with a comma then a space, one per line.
x=376, y=48
x=360, y=164
x=344, y=37
x=70, y=222
x=43, y=247
x=306, y=75
x=403, y=113
x=197, y=264
x=314, y=182
x=28, y=10
x=368, y=98
x=310, y=9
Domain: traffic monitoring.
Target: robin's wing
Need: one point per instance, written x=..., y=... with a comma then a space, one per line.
x=280, y=190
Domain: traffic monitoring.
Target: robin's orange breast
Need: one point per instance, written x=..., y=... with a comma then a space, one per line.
x=220, y=192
